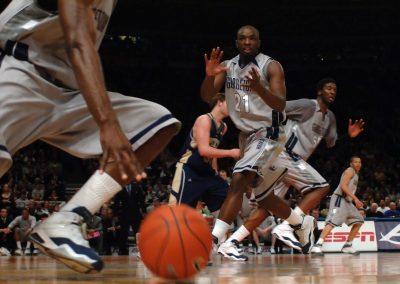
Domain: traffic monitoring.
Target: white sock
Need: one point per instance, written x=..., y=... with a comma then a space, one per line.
x=320, y=241
x=220, y=229
x=239, y=235
x=28, y=245
x=294, y=218
x=19, y=245
x=99, y=189
x=299, y=211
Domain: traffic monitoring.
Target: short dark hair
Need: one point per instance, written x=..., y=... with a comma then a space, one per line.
x=321, y=83
x=218, y=97
x=354, y=157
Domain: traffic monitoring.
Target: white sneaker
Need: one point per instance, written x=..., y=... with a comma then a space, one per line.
x=229, y=250
x=305, y=233
x=272, y=250
x=259, y=250
x=61, y=237
x=35, y=252
x=349, y=249
x=18, y=252
x=317, y=250
x=284, y=232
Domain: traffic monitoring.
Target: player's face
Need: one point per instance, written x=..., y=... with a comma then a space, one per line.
x=356, y=164
x=328, y=93
x=248, y=42
x=224, y=108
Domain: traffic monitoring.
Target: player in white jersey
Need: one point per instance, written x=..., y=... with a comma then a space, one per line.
x=308, y=123
x=342, y=210
x=256, y=96
x=52, y=89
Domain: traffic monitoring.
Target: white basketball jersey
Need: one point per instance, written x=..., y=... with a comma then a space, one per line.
x=352, y=184
x=246, y=108
x=24, y=21
x=307, y=125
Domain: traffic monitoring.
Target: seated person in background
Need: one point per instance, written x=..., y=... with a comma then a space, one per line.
x=23, y=225
x=373, y=212
x=392, y=212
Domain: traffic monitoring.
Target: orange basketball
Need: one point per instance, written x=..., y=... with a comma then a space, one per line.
x=175, y=242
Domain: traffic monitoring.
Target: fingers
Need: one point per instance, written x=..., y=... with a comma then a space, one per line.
x=128, y=166
x=206, y=58
x=104, y=160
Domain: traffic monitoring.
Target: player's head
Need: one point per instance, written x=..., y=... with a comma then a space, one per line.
x=218, y=101
x=3, y=212
x=326, y=90
x=355, y=163
x=248, y=40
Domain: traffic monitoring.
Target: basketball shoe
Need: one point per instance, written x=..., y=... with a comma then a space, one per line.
x=317, y=250
x=285, y=233
x=348, y=248
x=305, y=233
x=230, y=250
x=61, y=236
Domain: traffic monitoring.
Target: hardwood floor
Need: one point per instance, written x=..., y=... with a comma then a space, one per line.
x=286, y=269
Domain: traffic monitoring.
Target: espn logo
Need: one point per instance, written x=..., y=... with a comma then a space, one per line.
x=339, y=237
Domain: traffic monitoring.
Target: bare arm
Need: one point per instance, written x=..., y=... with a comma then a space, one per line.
x=201, y=132
x=344, y=186
x=215, y=75
x=275, y=95
x=77, y=22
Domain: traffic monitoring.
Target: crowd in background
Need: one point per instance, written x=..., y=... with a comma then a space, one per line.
x=148, y=63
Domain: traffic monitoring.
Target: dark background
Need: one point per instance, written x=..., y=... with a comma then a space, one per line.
x=154, y=50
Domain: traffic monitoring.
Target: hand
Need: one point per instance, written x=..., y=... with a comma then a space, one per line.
x=235, y=153
x=355, y=128
x=359, y=204
x=212, y=65
x=6, y=230
x=116, y=148
x=253, y=78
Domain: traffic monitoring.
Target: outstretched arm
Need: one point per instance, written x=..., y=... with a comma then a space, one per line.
x=215, y=75
x=77, y=22
x=355, y=128
x=201, y=132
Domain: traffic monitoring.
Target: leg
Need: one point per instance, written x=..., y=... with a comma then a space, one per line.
x=353, y=232
x=98, y=190
x=312, y=199
x=17, y=236
x=233, y=202
x=348, y=246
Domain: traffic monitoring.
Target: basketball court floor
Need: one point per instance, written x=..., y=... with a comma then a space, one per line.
x=285, y=268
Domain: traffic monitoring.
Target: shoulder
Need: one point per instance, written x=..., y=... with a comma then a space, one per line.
x=202, y=121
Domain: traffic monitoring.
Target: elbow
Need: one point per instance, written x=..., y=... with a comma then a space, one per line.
x=280, y=106
x=204, y=152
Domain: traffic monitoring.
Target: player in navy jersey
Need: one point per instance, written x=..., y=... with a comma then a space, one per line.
x=52, y=89
x=196, y=176
x=256, y=96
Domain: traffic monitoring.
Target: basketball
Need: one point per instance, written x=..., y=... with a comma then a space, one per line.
x=175, y=242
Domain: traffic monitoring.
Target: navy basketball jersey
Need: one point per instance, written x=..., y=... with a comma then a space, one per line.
x=191, y=156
